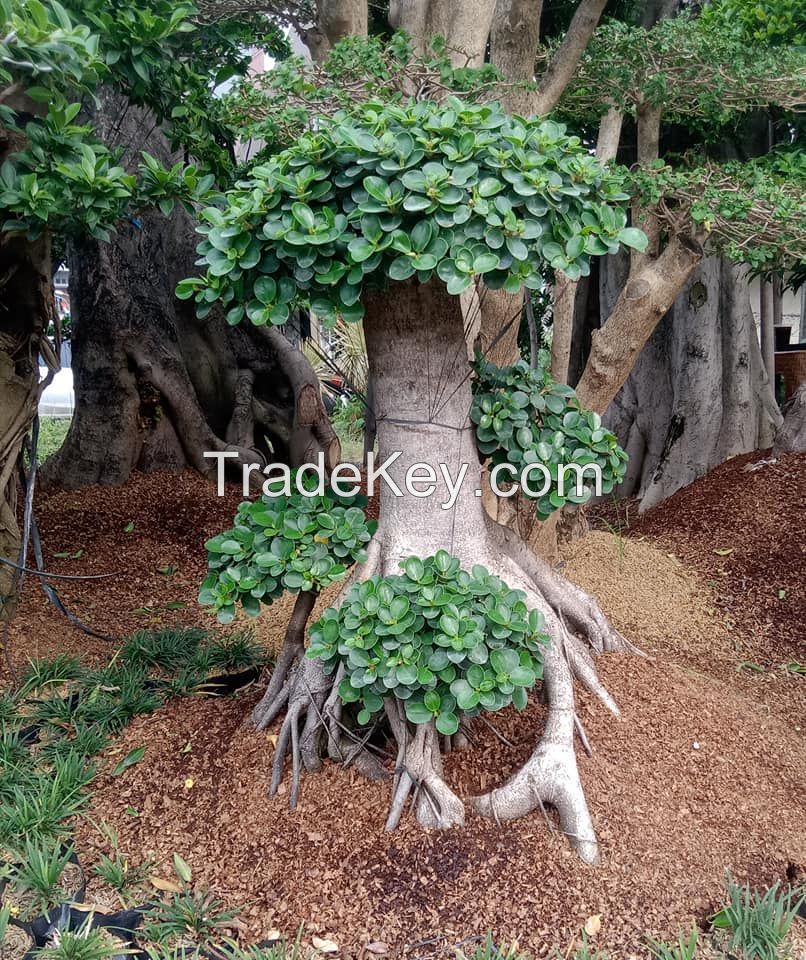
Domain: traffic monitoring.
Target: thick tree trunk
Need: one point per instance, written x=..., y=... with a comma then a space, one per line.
x=464, y=26
x=645, y=297
x=155, y=386
x=335, y=19
x=418, y=362
x=26, y=310
x=699, y=392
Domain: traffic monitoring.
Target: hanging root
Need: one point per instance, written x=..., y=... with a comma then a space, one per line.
x=315, y=714
x=312, y=700
x=309, y=687
x=419, y=770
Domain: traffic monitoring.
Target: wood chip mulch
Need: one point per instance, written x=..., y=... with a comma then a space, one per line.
x=699, y=775
x=744, y=531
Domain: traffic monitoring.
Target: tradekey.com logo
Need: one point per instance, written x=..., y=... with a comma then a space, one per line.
x=421, y=480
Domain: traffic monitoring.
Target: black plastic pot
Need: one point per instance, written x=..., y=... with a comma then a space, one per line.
x=226, y=683
x=68, y=917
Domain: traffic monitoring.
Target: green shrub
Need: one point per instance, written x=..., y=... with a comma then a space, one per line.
x=523, y=417
x=390, y=191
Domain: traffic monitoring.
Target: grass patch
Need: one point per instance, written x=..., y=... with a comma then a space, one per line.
x=52, y=432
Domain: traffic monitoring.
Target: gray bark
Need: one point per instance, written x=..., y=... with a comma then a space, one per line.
x=26, y=310
x=464, y=26
x=514, y=38
x=335, y=20
x=792, y=436
x=155, y=386
x=766, y=326
x=699, y=392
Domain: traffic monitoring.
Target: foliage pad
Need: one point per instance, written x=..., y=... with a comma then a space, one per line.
x=522, y=417
x=441, y=639
x=389, y=191
x=280, y=543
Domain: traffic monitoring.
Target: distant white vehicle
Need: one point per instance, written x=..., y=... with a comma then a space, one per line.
x=58, y=399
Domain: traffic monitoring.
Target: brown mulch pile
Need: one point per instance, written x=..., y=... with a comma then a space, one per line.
x=745, y=530
x=699, y=775
x=157, y=521
x=689, y=782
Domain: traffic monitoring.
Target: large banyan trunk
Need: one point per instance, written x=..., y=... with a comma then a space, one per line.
x=419, y=365
x=26, y=311
x=699, y=392
x=155, y=386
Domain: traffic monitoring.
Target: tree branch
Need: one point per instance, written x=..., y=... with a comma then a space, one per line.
x=563, y=66
x=648, y=294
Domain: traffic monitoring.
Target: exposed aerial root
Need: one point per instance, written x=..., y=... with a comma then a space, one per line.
x=550, y=776
x=583, y=669
x=278, y=690
x=309, y=687
x=312, y=700
x=315, y=714
x=282, y=677
x=419, y=770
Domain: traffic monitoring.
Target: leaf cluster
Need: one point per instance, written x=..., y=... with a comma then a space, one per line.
x=699, y=72
x=390, y=192
x=283, y=543
x=753, y=212
x=524, y=417
x=65, y=176
x=443, y=640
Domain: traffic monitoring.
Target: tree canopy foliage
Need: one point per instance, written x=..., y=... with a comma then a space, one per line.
x=55, y=62
x=391, y=190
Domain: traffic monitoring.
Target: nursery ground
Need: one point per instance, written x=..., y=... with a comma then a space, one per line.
x=706, y=770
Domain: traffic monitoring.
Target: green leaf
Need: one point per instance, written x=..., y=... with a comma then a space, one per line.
x=401, y=268
x=421, y=235
x=303, y=214
x=417, y=711
x=265, y=289
x=633, y=237
x=447, y=723
x=182, y=870
x=360, y=249
x=135, y=756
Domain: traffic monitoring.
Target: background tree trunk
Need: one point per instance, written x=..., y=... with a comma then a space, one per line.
x=699, y=392
x=155, y=386
x=26, y=311
x=792, y=436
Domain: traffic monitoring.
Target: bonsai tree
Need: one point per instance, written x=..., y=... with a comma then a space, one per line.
x=388, y=212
